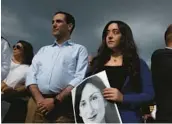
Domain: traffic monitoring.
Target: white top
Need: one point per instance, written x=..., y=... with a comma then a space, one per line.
x=17, y=75
x=169, y=48
x=6, y=54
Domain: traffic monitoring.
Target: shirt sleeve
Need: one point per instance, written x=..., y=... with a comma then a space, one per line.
x=147, y=93
x=33, y=69
x=81, y=67
x=5, y=59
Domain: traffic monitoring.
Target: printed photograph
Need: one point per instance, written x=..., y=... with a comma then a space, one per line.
x=89, y=104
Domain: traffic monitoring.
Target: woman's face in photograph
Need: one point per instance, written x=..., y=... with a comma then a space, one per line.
x=92, y=105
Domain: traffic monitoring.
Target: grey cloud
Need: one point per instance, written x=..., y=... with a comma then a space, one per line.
x=11, y=25
x=147, y=19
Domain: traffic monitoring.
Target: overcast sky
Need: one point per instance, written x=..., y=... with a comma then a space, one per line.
x=30, y=20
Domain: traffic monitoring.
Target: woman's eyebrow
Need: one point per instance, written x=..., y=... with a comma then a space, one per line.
x=94, y=93
x=115, y=29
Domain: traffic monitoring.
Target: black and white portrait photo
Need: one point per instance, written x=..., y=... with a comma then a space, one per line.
x=89, y=104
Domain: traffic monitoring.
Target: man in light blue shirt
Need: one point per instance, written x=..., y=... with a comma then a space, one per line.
x=56, y=69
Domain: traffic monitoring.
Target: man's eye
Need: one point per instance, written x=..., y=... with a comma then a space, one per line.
x=59, y=21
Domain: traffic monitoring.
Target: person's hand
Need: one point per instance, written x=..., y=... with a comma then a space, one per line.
x=38, y=101
x=8, y=89
x=146, y=116
x=113, y=94
x=46, y=105
x=3, y=85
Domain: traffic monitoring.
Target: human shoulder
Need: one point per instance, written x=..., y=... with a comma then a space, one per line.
x=44, y=49
x=157, y=53
x=143, y=62
x=78, y=45
x=80, y=48
x=4, y=44
x=4, y=41
x=24, y=66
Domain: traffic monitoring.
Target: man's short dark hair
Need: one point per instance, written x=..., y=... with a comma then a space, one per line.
x=68, y=17
x=168, y=34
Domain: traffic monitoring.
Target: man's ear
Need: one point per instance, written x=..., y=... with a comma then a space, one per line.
x=70, y=26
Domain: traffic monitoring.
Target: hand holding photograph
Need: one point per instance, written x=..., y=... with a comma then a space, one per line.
x=89, y=104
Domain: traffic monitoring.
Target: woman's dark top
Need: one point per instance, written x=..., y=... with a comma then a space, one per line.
x=116, y=75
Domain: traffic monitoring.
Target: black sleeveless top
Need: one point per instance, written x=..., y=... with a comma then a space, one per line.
x=116, y=75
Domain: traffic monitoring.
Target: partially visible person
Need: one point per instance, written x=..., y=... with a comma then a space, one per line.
x=21, y=60
x=56, y=69
x=129, y=76
x=161, y=67
x=153, y=113
x=90, y=105
x=5, y=58
x=13, y=89
x=147, y=111
x=90, y=58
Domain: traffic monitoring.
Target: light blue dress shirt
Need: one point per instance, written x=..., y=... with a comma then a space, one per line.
x=56, y=66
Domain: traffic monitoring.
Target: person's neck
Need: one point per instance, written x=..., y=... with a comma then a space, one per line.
x=17, y=59
x=116, y=53
x=169, y=44
x=62, y=40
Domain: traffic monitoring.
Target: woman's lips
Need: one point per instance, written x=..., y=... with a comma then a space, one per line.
x=93, y=117
x=110, y=41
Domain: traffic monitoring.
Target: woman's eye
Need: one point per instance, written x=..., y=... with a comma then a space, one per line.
x=107, y=32
x=116, y=32
x=83, y=104
x=94, y=98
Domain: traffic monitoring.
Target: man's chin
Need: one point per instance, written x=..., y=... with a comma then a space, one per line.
x=56, y=33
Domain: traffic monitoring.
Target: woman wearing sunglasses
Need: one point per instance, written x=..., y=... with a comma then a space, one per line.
x=13, y=87
x=21, y=59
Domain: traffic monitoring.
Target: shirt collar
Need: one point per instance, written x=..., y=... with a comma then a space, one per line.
x=68, y=42
x=169, y=48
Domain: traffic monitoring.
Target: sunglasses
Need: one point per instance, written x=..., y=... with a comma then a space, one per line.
x=17, y=47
